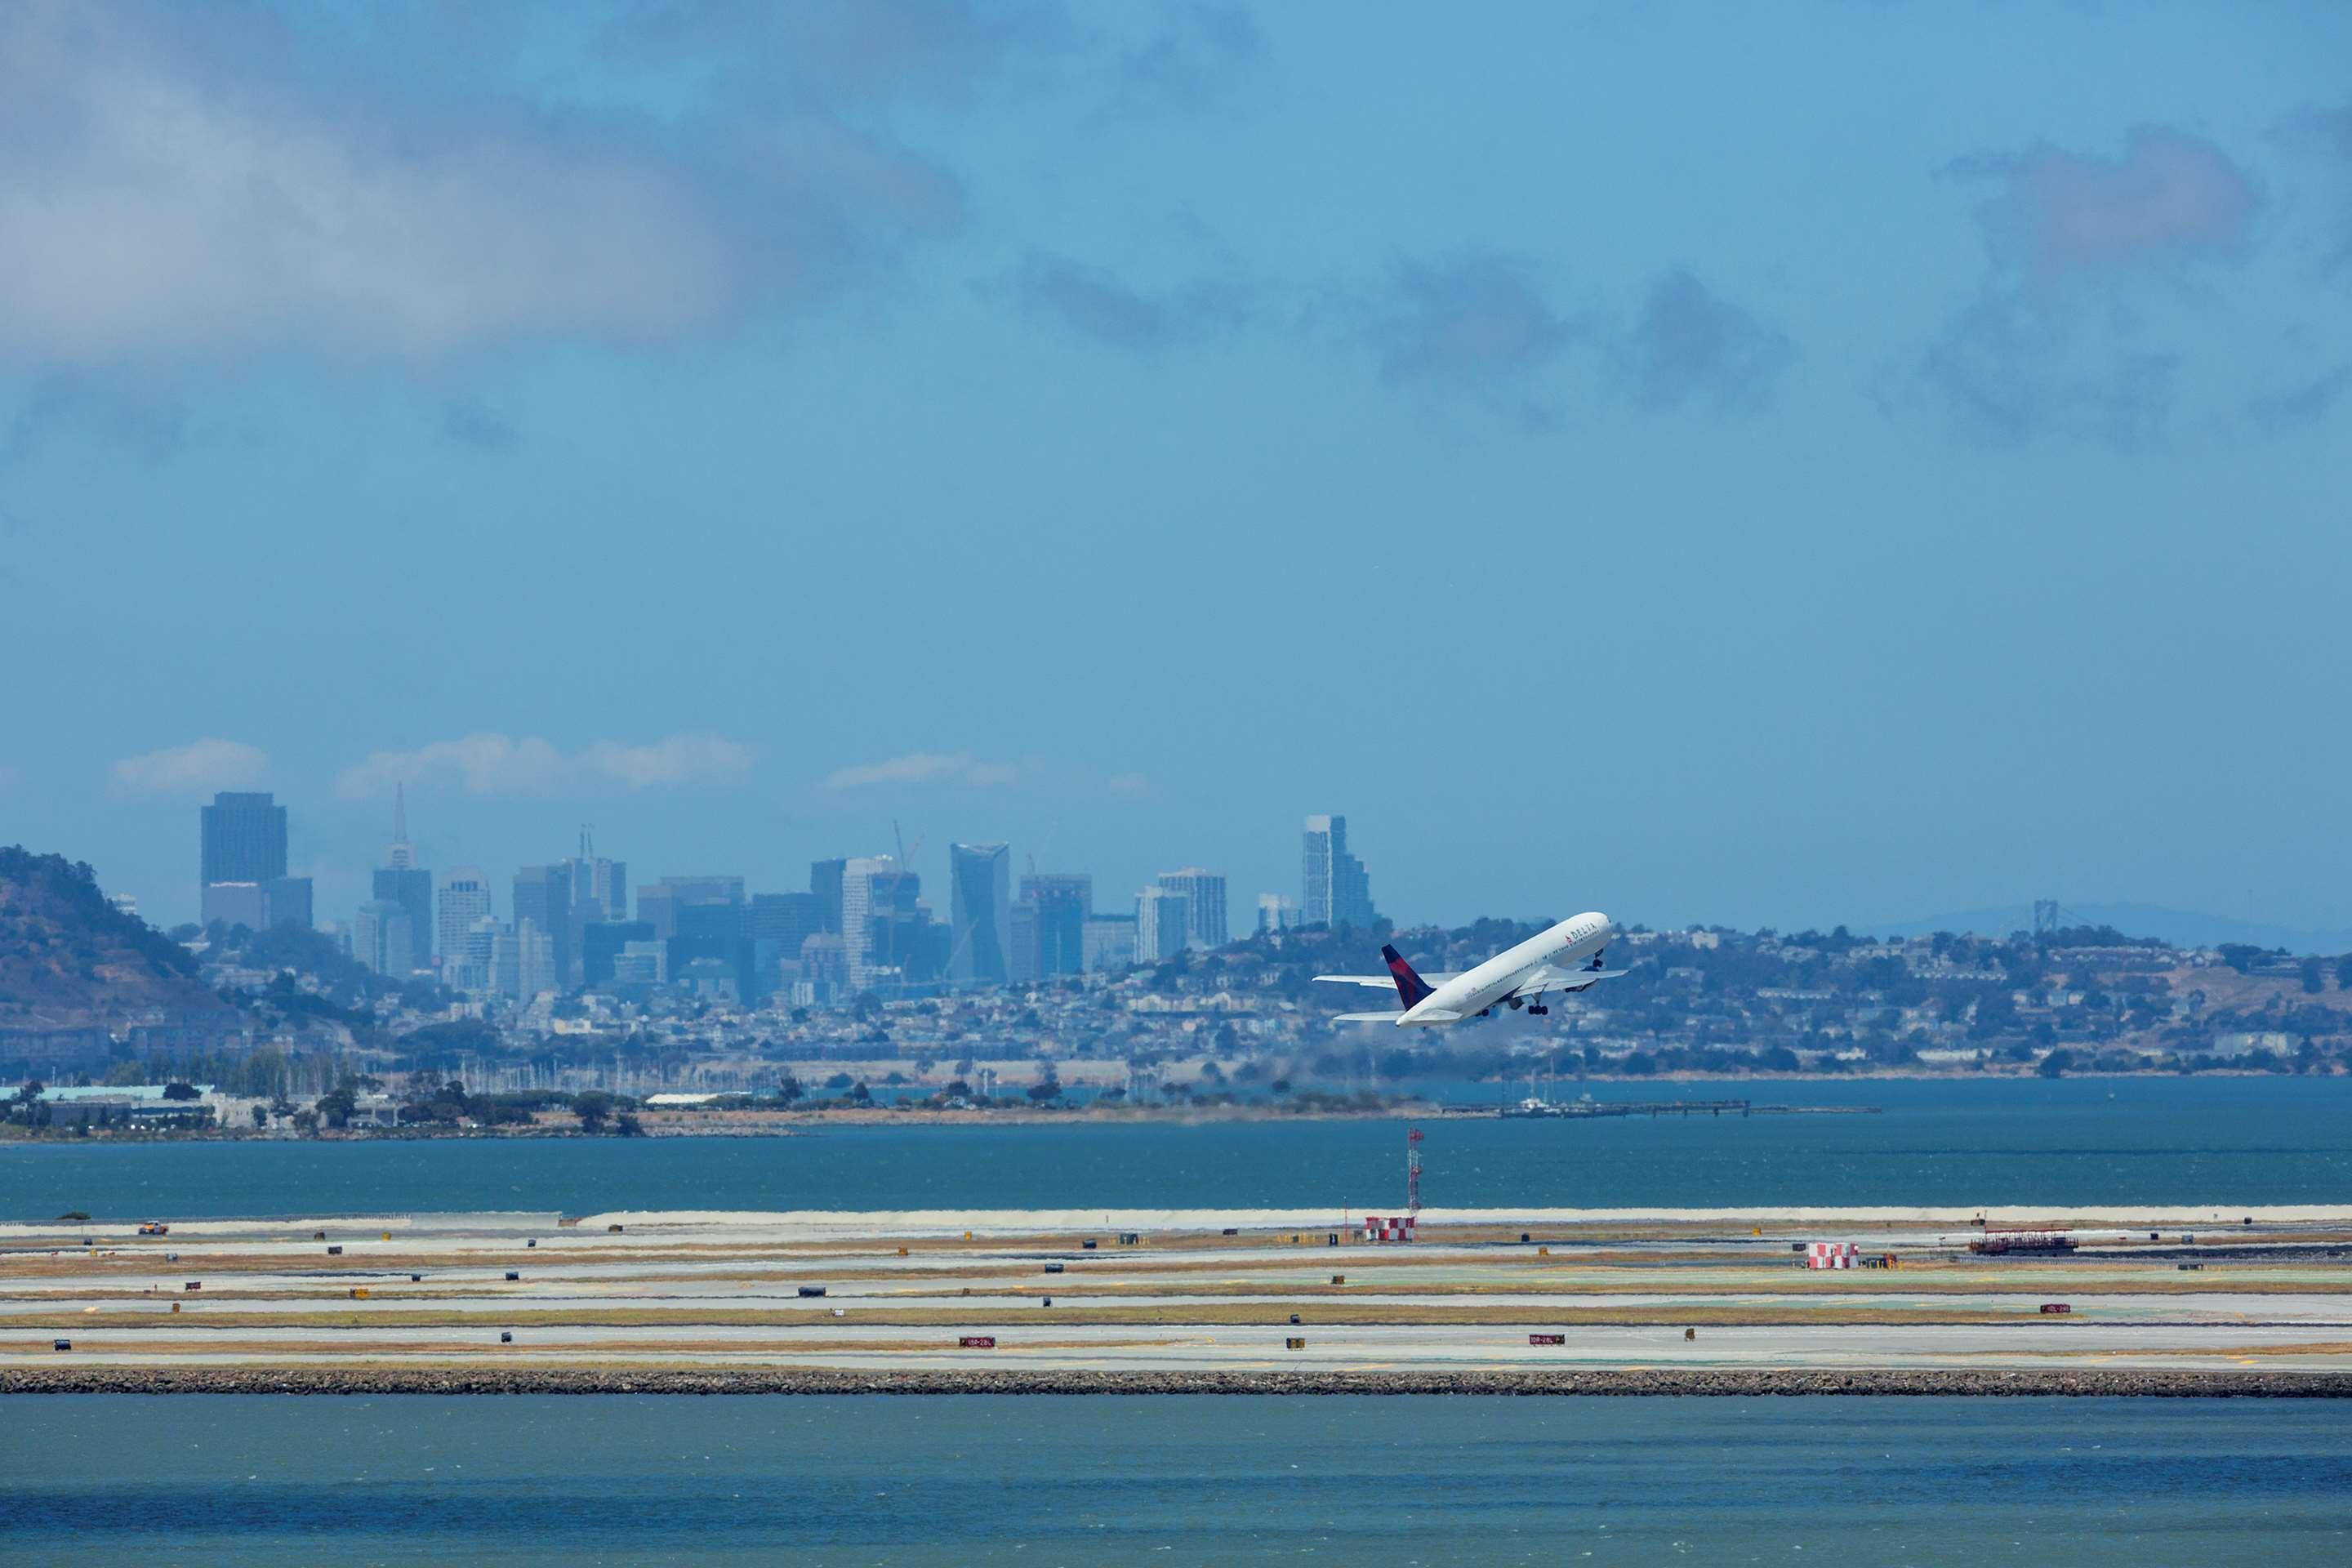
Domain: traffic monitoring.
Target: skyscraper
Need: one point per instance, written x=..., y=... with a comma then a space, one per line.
x=241, y=838
x=1163, y=924
x=824, y=881
x=1064, y=900
x=1276, y=914
x=600, y=888
x=401, y=882
x=542, y=895
x=380, y=938
x=980, y=898
x=465, y=899
x=1108, y=943
x=1205, y=895
x=881, y=917
x=1335, y=889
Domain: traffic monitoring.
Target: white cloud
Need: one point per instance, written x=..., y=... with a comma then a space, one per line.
x=193, y=769
x=1131, y=785
x=488, y=764
x=922, y=768
x=186, y=184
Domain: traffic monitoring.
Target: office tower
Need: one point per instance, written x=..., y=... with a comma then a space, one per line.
x=412, y=889
x=237, y=904
x=641, y=963
x=980, y=896
x=1204, y=895
x=1108, y=943
x=1022, y=958
x=380, y=938
x=714, y=929
x=401, y=882
x=786, y=920
x=1163, y=924
x=1276, y=914
x=1062, y=901
x=824, y=881
x=778, y=925
x=290, y=901
x=536, y=960
x=602, y=942
x=881, y=920
x=470, y=963
x=241, y=839
x=1335, y=890
x=244, y=838
x=823, y=971
x=599, y=886
x=465, y=899
x=542, y=895
x=660, y=902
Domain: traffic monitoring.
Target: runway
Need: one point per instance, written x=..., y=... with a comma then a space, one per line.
x=748, y=1294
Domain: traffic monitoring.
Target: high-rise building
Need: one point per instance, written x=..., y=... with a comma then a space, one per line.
x=1335, y=890
x=825, y=881
x=882, y=919
x=535, y=959
x=465, y=899
x=779, y=924
x=380, y=938
x=241, y=838
x=237, y=904
x=602, y=942
x=471, y=963
x=1021, y=954
x=1205, y=895
x=410, y=886
x=1107, y=944
x=660, y=902
x=542, y=895
x=1276, y=914
x=1062, y=901
x=1163, y=924
x=823, y=971
x=980, y=898
x=599, y=886
x=290, y=901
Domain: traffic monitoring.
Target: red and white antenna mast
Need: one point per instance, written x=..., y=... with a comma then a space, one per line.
x=1412, y=1169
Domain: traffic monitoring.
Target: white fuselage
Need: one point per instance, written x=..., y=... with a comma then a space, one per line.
x=1567, y=945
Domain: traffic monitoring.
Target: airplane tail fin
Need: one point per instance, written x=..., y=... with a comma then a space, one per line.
x=1409, y=986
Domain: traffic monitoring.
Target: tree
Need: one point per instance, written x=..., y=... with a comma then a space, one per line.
x=2344, y=973
x=260, y=1114
x=181, y=1091
x=2055, y=1064
x=2314, y=979
x=593, y=1107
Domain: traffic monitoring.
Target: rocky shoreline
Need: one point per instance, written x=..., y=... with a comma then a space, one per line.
x=2098, y=1382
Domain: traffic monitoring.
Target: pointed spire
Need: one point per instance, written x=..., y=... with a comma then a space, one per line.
x=400, y=855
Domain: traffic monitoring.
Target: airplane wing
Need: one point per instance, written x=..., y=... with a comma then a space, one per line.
x=1564, y=981
x=1383, y=982
x=1433, y=1016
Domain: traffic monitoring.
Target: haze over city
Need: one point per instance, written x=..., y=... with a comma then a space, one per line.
x=1092, y=429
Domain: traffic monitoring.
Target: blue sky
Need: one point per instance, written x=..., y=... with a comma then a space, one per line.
x=1766, y=465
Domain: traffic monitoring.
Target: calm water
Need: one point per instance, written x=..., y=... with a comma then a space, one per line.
x=2223, y=1142
x=1173, y=1481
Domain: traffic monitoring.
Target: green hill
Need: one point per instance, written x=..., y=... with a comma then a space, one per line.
x=70, y=960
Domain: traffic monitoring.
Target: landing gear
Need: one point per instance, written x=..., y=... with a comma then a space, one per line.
x=1534, y=1011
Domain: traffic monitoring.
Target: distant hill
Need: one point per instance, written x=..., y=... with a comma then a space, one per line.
x=68, y=959
x=2181, y=927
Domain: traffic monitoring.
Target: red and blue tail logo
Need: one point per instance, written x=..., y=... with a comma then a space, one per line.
x=1411, y=986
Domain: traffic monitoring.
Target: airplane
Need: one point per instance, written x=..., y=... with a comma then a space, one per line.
x=1550, y=960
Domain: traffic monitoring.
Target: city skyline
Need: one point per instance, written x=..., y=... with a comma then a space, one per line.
x=1794, y=496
